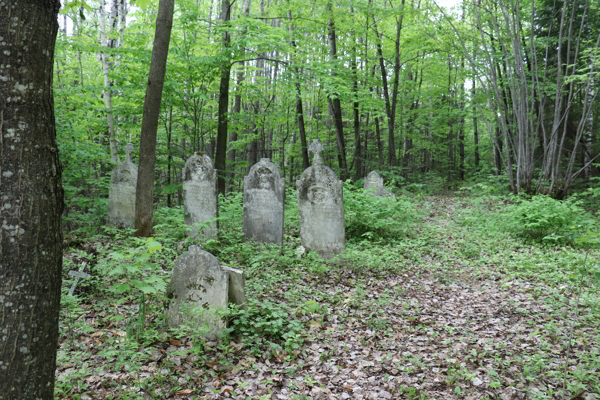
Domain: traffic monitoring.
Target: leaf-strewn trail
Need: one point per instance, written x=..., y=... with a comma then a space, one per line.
x=453, y=311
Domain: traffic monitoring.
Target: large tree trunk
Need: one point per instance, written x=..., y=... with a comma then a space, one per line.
x=223, y=103
x=32, y=201
x=156, y=80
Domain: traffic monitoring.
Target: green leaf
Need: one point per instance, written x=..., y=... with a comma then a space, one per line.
x=120, y=288
x=141, y=3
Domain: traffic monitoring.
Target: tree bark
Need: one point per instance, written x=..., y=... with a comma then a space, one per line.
x=334, y=98
x=358, y=156
x=156, y=80
x=107, y=94
x=299, y=108
x=32, y=204
x=223, y=103
x=237, y=107
x=390, y=104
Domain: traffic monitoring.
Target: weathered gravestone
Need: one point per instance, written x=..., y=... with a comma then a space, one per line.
x=263, y=203
x=374, y=186
x=198, y=288
x=320, y=199
x=237, y=286
x=121, y=194
x=200, y=194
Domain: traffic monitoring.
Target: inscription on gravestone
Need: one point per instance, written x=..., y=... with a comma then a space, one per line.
x=200, y=194
x=263, y=203
x=199, y=288
x=121, y=194
x=320, y=200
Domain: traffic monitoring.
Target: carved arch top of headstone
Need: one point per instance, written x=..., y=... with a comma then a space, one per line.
x=125, y=173
x=263, y=175
x=374, y=185
x=198, y=168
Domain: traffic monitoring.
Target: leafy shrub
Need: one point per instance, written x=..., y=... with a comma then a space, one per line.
x=372, y=216
x=269, y=320
x=545, y=219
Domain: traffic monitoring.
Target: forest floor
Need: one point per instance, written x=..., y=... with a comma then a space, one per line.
x=454, y=310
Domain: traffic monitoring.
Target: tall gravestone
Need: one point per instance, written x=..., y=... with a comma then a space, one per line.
x=121, y=194
x=199, y=287
x=200, y=194
x=374, y=186
x=263, y=203
x=320, y=199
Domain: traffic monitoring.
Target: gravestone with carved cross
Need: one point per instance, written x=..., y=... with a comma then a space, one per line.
x=320, y=200
x=121, y=193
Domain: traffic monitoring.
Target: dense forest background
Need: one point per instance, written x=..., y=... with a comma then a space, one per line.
x=422, y=93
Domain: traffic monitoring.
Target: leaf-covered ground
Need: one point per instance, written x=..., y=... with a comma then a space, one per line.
x=455, y=309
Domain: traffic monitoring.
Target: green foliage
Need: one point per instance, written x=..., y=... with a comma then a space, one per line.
x=375, y=217
x=265, y=320
x=543, y=218
x=136, y=274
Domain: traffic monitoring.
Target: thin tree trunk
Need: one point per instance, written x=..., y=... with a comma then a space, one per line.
x=334, y=98
x=237, y=106
x=156, y=79
x=107, y=94
x=223, y=101
x=475, y=131
x=390, y=105
x=358, y=156
x=169, y=130
x=299, y=108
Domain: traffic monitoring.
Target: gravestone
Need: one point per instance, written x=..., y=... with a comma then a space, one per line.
x=374, y=186
x=198, y=288
x=237, y=286
x=200, y=194
x=121, y=194
x=320, y=199
x=263, y=203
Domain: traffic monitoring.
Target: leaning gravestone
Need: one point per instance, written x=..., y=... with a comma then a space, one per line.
x=374, y=186
x=200, y=194
x=263, y=203
x=198, y=288
x=320, y=199
x=121, y=194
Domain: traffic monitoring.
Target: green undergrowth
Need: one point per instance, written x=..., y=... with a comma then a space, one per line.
x=472, y=237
